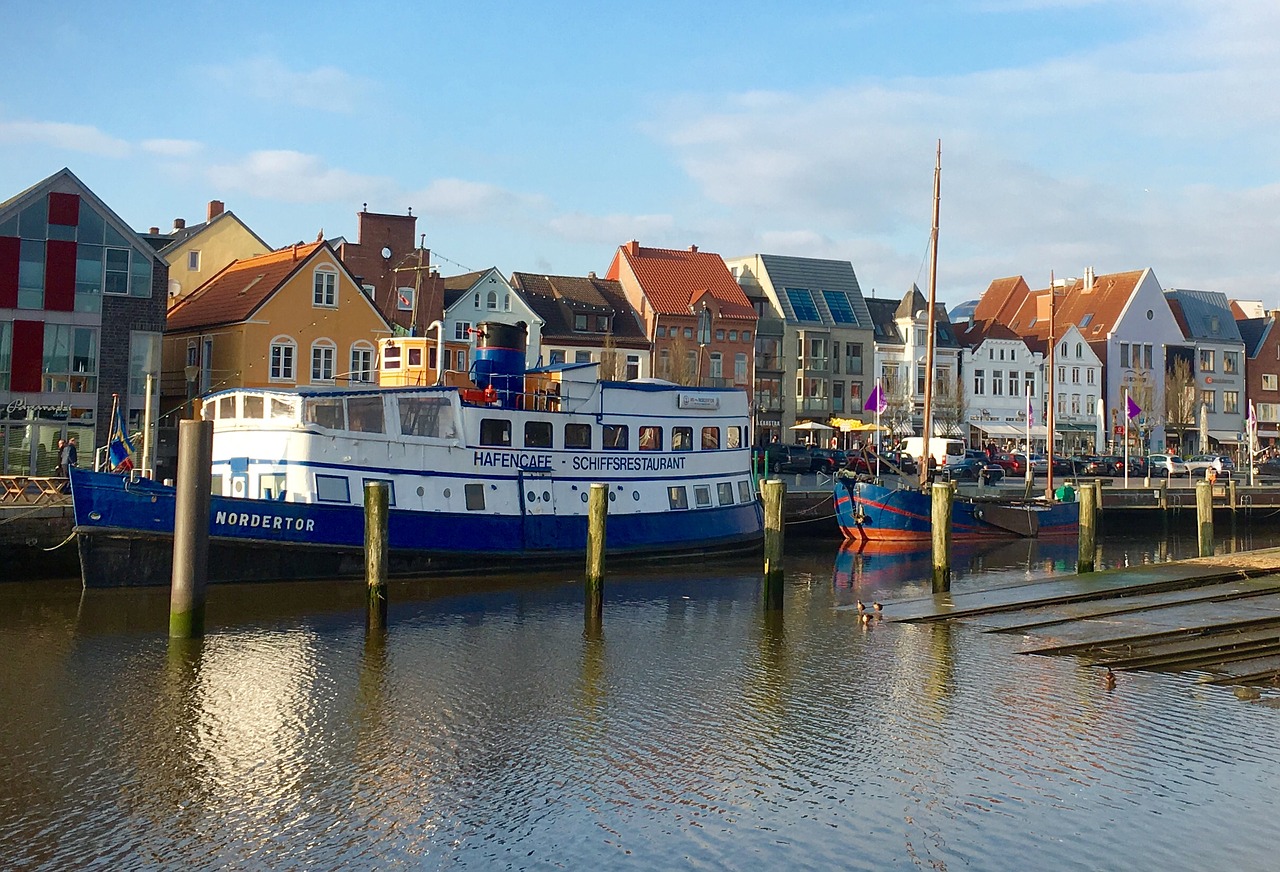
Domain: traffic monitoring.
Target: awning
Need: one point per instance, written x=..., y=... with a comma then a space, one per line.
x=1269, y=434
x=992, y=429
x=1225, y=436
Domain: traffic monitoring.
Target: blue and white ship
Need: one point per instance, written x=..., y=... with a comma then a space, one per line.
x=488, y=475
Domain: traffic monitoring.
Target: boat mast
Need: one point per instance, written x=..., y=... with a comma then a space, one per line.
x=1049, y=418
x=933, y=298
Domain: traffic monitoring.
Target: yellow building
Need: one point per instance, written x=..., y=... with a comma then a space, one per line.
x=197, y=252
x=293, y=318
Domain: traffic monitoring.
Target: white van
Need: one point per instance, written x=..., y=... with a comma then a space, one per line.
x=944, y=450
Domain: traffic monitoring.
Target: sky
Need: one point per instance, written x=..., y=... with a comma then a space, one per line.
x=540, y=136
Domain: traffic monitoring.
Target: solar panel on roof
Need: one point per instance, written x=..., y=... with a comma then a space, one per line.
x=802, y=304
x=841, y=308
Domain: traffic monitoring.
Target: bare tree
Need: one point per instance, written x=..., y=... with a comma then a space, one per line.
x=610, y=369
x=898, y=401
x=1180, y=400
x=683, y=365
x=950, y=407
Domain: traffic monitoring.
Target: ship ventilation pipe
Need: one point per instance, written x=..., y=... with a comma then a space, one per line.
x=439, y=325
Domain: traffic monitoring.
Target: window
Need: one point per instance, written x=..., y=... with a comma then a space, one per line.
x=491, y=301
x=853, y=358
x=362, y=362
x=837, y=396
x=681, y=438
x=744, y=491
x=193, y=261
x=717, y=365
x=332, y=489
x=70, y=359
x=580, y=322
x=324, y=412
x=415, y=357
x=733, y=437
x=662, y=332
x=720, y=336
x=677, y=498
x=710, y=438
x=740, y=368
x=633, y=367
x=475, y=301
x=997, y=383
x=650, y=438
x=1062, y=404
x=577, y=436
x=537, y=434
x=733, y=335
x=616, y=437
x=116, y=280
x=253, y=407
x=557, y=355
x=1091, y=403
x=322, y=354
x=582, y=357
x=979, y=382
x=475, y=497
x=426, y=416
x=1210, y=400
x=495, y=431
x=325, y=288
x=506, y=302
x=1079, y=350
x=364, y=414
x=1270, y=381
x=1230, y=362
x=1075, y=375
x=283, y=350
x=702, y=496
x=391, y=357
x=1206, y=360
x=391, y=488
x=271, y=485
x=1147, y=355
x=1063, y=350
x=1231, y=402
x=919, y=378
x=1015, y=383
x=688, y=333
x=855, y=396
x=602, y=323
x=724, y=490
x=404, y=299
x=746, y=335
x=462, y=331
x=1029, y=381
x=1124, y=353
x=1091, y=375
x=1075, y=404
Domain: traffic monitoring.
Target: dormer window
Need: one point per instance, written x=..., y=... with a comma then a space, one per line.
x=602, y=323
x=491, y=301
x=580, y=323
x=325, y=288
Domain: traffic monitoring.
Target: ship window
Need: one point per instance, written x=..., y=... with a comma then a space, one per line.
x=677, y=497
x=415, y=357
x=475, y=497
x=282, y=407
x=733, y=437
x=215, y=485
x=710, y=438
x=332, y=489
x=577, y=436
x=391, y=357
x=495, y=431
x=650, y=438
x=537, y=434
x=271, y=486
x=702, y=496
x=253, y=407
x=227, y=407
x=391, y=488
x=324, y=412
x=724, y=490
x=364, y=414
x=744, y=491
x=681, y=438
x=426, y=416
x=616, y=437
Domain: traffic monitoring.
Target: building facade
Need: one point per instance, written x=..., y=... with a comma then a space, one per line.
x=1218, y=369
x=1261, y=337
x=484, y=295
x=586, y=319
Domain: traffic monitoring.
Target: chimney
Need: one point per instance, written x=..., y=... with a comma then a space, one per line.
x=179, y=223
x=153, y=231
x=1088, y=280
x=693, y=249
x=216, y=208
x=591, y=275
x=632, y=248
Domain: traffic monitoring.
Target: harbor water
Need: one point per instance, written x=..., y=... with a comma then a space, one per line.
x=492, y=727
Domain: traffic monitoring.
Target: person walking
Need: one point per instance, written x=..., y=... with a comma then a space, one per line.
x=60, y=471
x=68, y=457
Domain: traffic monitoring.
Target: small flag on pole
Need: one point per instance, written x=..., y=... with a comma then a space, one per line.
x=875, y=401
x=1031, y=415
x=119, y=448
x=1253, y=416
x=1132, y=409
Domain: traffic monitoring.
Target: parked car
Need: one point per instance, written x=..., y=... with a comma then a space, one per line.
x=1166, y=465
x=904, y=462
x=1219, y=463
x=827, y=459
x=863, y=462
x=971, y=468
x=1013, y=464
x=1097, y=465
x=1269, y=468
x=795, y=458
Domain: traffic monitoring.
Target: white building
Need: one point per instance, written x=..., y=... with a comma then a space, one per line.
x=486, y=296
x=1000, y=373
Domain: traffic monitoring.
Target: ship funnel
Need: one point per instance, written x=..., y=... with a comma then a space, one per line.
x=499, y=359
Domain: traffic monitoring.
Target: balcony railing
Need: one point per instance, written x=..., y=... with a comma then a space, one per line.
x=768, y=403
x=815, y=404
x=769, y=362
x=814, y=364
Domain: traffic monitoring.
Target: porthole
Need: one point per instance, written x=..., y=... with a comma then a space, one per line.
x=584, y=496
x=531, y=497
x=422, y=492
x=612, y=497
x=446, y=492
x=635, y=495
x=1150, y=314
x=546, y=496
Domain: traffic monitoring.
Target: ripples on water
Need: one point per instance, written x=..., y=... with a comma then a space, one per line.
x=496, y=729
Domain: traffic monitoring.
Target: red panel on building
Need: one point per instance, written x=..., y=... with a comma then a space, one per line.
x=59, y=275
x=10, y=249
x=28, y=356
x=64, y=209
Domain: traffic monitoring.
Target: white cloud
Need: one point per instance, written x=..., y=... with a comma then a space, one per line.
x=295, y=177
x=71, y=137
x=267, y=79
x=462, y=200
x=172, y=147
x=658, y=231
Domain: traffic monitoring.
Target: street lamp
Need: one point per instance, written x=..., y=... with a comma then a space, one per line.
x=704, y=336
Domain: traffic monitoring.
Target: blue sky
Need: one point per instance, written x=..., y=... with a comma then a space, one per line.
x=540, y=136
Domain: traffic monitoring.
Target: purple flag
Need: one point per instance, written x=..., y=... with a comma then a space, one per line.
x=1031, y=415
x=1132, y=409
x=1253, y=416
x=875, y=401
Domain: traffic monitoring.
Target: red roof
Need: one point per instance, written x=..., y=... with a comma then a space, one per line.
x=674, y=279
x=234, y=293
x=1099, y=305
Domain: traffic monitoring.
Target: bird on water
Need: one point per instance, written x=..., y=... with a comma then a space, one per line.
x=1109, y=680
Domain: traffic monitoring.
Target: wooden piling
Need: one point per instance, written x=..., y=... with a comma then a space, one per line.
x=943, y=496
x=376, y=520
x=1204, y=517
x=597, y=516
x=1097, y=493
x=774, y=495
x=191, y=530
x=1088, y=496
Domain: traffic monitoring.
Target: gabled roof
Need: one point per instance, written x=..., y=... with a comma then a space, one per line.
x=178, y=237
x=1204, y=315
x=671, y=280
x=883, y=320
x=456, y=287
x=234, y=293
x=1002, y=298
x=831, y=284
x=977, y=332
x=556, y=298
x=1095, y=306
x=1253, y=332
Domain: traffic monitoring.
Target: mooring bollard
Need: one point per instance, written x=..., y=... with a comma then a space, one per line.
x=376, y=520
x=774, y=495
x=191, y=530
x=943, y=496
x=1088, y=529
x=597, y=515
x=1204, y=517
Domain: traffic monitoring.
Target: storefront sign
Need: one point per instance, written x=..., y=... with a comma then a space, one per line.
x=21, y=408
